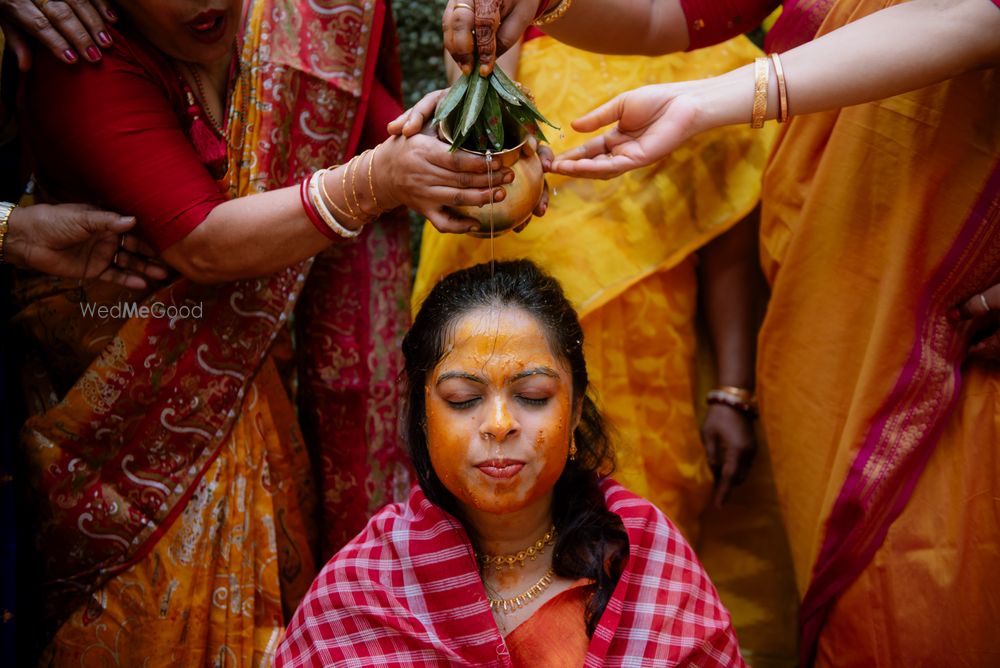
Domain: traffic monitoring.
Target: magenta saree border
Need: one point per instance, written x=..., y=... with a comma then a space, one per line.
x=906, y=428
x=799, y=22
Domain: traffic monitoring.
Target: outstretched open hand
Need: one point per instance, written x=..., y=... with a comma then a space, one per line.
x=652, y=122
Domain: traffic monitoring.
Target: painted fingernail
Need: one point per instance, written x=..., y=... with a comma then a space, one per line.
x=110, y=14
x=70, y=55
x=104, y=38
x=954, y=315
x=93, y=53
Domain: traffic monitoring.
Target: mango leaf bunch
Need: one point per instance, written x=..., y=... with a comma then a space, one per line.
x=484, y=112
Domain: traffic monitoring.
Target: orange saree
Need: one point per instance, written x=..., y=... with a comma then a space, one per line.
x=877, y=220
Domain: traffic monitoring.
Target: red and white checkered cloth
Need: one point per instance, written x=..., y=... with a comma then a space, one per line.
x=406, y=592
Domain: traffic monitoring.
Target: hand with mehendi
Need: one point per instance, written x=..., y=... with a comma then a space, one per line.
x=491, y=26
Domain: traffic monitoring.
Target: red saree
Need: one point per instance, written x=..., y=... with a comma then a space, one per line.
x=406, y=592
x=139, y=407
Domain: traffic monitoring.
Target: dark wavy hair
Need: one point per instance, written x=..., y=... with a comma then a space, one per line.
x=591, y=541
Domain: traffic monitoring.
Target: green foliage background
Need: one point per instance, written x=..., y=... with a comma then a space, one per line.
x=420, y=47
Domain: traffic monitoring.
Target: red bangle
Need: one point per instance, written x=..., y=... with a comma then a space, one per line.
x=311, y=213
x=542, y=6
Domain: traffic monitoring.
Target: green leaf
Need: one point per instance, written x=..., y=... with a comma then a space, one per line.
x=514, y=90
x=493, y=120
x=451, y=99
x=526, y=120
x=509, y=97
x=474, y=99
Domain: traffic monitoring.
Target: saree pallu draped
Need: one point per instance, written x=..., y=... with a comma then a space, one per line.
x=350, y=327
x=407, y=593
x=623, y=251
x=877, y=220
x=174, y=489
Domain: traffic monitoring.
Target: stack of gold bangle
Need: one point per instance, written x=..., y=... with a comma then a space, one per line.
x=761, y=76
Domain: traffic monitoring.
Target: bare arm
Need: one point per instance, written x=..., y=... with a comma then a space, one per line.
x=259, y=234
x=641, y=27
x=884, y=54
x=730, y=291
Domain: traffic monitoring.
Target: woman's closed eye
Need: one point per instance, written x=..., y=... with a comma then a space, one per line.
x=459, y=403
x=532, y=400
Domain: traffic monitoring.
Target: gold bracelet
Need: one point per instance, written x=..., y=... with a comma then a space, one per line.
x=343, y=187
x=324, y=212
x=371, y=185
x=6, y=208
x=779, y=74
x=354, y=182
x=761, y=72
x=553, y=13
x=326, y=195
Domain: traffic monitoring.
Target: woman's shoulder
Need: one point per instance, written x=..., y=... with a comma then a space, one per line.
x=129, y=57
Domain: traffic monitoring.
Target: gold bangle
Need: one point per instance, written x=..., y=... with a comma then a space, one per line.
x=371, y=185
x=761, y=72
x=554, y=13
x=740, y=393
x=354, y=182
x=343, y=187
x=779, y=74
x=6, y=208
x=326, y=196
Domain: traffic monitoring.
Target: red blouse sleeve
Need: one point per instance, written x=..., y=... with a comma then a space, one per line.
x=714, y=21
x=111, y=134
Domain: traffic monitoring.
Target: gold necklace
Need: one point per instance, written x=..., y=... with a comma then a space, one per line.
x=501, y=561
x=509, y=605
x=205, y=106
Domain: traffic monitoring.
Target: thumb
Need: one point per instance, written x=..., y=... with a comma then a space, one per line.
x=606, y=114
x=98, y=222
x=19, y=46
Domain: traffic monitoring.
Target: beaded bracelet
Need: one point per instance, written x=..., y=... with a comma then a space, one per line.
x=737, y=398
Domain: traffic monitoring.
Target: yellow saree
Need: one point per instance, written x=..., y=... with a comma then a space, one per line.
x=623, y=252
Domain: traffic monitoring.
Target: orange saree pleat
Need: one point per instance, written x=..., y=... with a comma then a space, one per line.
x=878, y=219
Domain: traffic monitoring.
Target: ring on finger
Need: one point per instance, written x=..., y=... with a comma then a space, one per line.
x=462, y=5
x=986, y=304
x=121, y=247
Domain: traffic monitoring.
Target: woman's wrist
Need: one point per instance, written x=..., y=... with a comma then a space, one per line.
x=728, y=99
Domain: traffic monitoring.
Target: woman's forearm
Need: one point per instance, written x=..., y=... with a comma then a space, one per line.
x=647, y=27
x=901, y=48
x=730, y=287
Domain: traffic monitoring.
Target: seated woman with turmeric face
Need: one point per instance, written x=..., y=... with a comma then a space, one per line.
x=515, y=550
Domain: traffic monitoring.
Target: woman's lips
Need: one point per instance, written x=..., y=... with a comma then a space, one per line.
x=501, y=468
x=208, y=27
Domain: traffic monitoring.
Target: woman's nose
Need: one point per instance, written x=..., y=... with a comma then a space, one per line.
x=499, y=424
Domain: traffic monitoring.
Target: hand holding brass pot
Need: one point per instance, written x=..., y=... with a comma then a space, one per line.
x=523, y=194
x=494, y=116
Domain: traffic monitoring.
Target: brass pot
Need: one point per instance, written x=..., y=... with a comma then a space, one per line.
x=523, y=193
